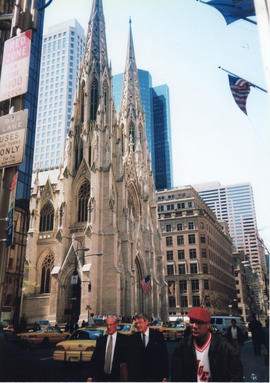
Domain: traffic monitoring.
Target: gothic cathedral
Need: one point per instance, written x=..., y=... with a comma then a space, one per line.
x=94, y=233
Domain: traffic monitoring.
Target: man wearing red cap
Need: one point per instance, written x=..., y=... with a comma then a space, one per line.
x=203, y=356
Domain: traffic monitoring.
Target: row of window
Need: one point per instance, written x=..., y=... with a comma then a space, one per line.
x=183, y=269
x=180, y=226
x=184, y=301
x=183, y=286
x=181, y=254
x=180, y=240
x=180, y=205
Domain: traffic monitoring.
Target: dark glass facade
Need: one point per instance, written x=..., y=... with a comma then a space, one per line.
x=156, y=105
x=30, y=102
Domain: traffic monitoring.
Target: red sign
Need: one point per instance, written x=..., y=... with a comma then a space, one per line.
x=15, y=67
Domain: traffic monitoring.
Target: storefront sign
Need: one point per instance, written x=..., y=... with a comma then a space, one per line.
x=15, y=66
x=12, y=138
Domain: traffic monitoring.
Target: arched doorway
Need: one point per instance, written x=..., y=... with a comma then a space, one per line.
x=70, y=298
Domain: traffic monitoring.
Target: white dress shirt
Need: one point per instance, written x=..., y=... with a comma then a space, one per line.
x=146, y=336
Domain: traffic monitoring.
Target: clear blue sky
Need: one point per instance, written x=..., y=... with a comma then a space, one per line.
x=182, y=43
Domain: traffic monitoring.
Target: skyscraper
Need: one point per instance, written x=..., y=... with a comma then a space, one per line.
x=235, y=205
x=62, y=52
x=156, y=106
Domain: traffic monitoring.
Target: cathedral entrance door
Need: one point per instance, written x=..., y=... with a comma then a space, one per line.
x=73, y=302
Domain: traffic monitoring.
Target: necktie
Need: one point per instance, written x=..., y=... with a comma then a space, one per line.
x=108, y=357
x=144, y=340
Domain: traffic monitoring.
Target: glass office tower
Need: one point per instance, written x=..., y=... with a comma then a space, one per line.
x=62, y=52
x=156, y=105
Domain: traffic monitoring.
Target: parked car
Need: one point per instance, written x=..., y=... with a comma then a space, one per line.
x=174, y=331
x=47, y=335
x=80, y=345
x=126, y=328
x=157, y=325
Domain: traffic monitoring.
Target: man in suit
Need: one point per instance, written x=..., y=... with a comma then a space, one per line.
x=108, y=360
x=147, y=353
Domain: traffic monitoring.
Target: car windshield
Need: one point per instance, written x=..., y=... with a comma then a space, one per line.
x=123, y=327
x=180, y=325
x=87, y=334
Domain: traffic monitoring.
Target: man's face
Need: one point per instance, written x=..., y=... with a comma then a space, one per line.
x=199, y=329
x=233, y=322
x=141, y=324
x=111, y=325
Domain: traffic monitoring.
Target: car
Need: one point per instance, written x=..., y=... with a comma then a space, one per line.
x=174, y=331
x=80, y=345
x=223, y=322
x=126, y=328
x=45, y=336
x=157, y=325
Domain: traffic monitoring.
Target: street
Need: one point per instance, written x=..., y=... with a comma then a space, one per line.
x=37, y=365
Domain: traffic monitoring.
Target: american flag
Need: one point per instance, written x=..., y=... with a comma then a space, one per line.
x=146, y=284
x=240, y=90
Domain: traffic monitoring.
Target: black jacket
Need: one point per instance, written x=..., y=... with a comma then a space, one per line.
x=147, y=363
x=240, y=336
x=225, y=364
x=98, y=359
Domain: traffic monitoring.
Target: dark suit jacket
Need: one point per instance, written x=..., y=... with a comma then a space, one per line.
x=98, y=359
x=150, y=363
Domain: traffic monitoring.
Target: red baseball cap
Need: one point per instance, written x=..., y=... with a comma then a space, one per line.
x=200, y=314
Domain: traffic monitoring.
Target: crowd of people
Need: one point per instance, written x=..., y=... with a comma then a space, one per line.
x=199, y=356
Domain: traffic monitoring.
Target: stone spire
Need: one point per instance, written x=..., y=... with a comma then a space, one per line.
x=131, y=99
x=96, y=46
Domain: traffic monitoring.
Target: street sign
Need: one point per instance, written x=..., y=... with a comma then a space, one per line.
x=12, y=138
x=15, y=66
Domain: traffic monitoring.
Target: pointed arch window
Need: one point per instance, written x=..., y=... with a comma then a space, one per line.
x=46, y=217
x=106, y=97
x=83, y=197
x=47, y=265
x=94, y=100
x=132, y=132
x=82, y=102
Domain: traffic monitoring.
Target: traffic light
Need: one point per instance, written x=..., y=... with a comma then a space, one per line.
x=89, y=287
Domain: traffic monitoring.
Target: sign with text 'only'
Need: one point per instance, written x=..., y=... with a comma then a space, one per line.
x=12, y=138
x=15, y=66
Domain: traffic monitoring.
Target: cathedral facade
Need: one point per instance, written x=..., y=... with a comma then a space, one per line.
x=94, y=233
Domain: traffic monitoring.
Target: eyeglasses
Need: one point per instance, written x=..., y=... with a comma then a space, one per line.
x=198, y=322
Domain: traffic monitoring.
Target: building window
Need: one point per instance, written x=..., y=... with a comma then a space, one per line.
x=183, y=301
x=190, y=225
x=192, y=253
x=193, y=268
x=170, y=270
x=182, y=269
x=180, y=240
x=183, y=286
x=205, y=268
x=47, y=265
x=204, y=253
x=191, y=238
x=181, y=254
x=46, y=217
x=169, y=241
x=83, y=197
x=196, y=301
x=171, y=301
x=195, y=285
x=206, y=284
x=203, y=239
x=94, y=100
x=168, y=228
x=179, y=227
x=169, y=255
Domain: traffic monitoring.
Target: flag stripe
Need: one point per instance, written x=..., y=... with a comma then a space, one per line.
x=240, y=90
x=146, y=285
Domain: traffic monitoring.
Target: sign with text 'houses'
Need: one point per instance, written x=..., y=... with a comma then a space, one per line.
x=12, y=138
x=15, y=66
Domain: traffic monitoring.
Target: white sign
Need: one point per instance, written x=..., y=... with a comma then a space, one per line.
x=15, y=66
x=12, y=138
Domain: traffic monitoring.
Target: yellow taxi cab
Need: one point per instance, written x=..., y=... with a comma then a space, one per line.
x=157, y=326
x=174, y=331
x=80, y=345
x=126, y=328
x=45, y=336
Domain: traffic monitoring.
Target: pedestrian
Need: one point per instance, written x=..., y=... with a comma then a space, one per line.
x=83, y=323
x=91, y=321
x=255, y=327
x=148, y=357
x=108, y=362
x=203, y=356
x=235, y=335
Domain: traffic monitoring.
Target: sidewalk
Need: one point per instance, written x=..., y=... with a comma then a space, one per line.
x=254, y=367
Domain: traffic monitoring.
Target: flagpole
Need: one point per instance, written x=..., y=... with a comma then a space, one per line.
x=235, y=75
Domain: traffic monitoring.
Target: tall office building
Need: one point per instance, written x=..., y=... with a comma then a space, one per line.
x=62, y=52
x=156, y=106
x=235, y=205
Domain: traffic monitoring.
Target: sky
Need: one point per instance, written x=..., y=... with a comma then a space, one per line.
x=182, y=43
